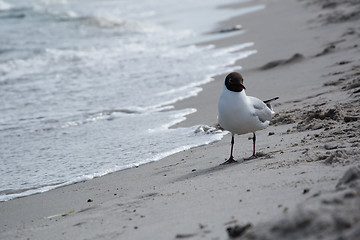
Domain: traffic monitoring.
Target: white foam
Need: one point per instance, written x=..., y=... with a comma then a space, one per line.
x=4, y=5
x=215, y=136
x=177, y=117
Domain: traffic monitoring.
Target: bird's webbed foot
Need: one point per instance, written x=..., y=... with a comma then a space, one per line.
x=229, y=161
x=251, y=158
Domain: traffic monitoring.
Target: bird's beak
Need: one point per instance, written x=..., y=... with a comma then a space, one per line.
x=242, y=86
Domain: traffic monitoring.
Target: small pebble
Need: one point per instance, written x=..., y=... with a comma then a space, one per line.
x=330, y=146
x=237, y=230
x=306, y=190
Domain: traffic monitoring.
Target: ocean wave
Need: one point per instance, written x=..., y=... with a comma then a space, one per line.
x=7, y=195
x=15, y=69
x=177, y=117
x=97, y=117
x=201, y=131
x=100, y=20
x=108, y=21
x=111, y=114
x=4, y=6
x=38, y=60
x=96, y=19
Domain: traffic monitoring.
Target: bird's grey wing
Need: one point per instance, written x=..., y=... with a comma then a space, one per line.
x=261, y=110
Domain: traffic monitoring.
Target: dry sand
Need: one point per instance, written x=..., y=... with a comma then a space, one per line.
x=308, y=54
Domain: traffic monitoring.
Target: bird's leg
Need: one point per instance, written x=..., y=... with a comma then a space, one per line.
x=231, y=158
x=254, y=153
x=232, y=147
x=254, y=140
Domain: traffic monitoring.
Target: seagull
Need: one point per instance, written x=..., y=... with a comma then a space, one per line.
x=241, y=114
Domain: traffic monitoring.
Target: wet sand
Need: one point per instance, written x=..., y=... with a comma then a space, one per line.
x=305, y=184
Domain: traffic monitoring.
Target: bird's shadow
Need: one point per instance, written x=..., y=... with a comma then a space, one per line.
x=196, y=173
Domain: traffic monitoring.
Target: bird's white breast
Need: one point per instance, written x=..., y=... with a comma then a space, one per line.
x=237, y=114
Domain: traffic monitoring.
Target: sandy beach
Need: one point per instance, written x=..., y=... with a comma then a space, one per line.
x=305, y=183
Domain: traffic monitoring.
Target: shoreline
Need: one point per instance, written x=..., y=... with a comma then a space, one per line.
x=188, y=194
x=46, y=188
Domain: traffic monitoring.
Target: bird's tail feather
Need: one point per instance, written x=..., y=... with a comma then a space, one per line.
x=268, y=102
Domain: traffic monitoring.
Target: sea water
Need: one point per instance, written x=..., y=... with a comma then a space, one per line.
x=86, y=86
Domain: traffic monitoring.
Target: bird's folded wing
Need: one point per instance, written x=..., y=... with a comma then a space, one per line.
x=261, y=110
x=264, y=115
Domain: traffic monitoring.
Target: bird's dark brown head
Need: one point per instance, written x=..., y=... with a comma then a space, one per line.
x=234, y=82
